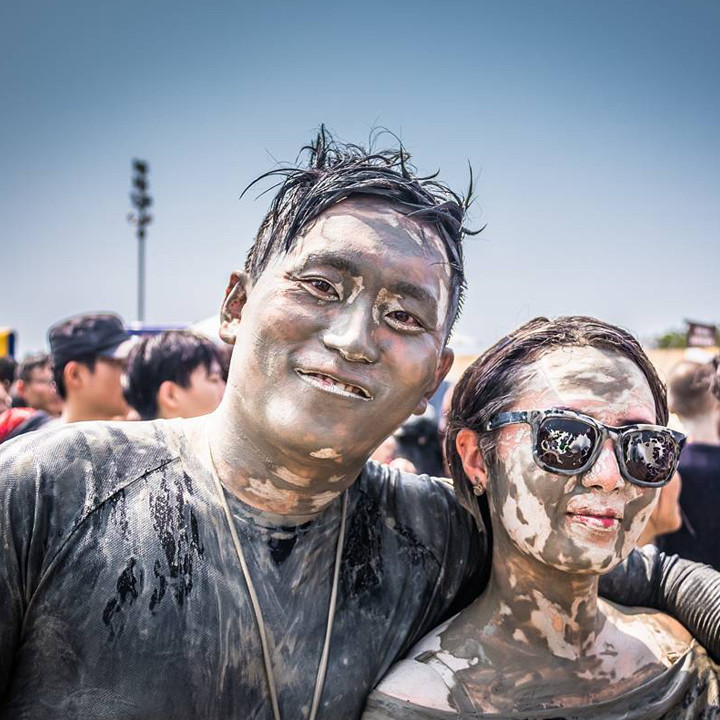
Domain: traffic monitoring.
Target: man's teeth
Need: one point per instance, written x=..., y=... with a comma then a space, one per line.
x=334, y=386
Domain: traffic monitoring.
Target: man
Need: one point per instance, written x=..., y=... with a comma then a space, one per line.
x=249, y=563
x=88, y=357
x=691, y=399
x=8, y=369
x=35, y=387
x=173, y=374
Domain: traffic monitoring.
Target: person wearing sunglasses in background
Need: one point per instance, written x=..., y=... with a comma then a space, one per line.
x=558, y=446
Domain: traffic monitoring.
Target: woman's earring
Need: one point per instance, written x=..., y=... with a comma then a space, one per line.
x=478, y=489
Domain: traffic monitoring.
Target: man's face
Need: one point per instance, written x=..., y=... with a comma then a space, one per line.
x=101, y=393
x=202, y=395
x=39, y=391
x=342, y=338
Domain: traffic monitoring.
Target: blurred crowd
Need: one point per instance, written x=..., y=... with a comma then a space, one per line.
x=97, y=370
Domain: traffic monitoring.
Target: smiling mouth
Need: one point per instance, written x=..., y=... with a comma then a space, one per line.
x=333, y=385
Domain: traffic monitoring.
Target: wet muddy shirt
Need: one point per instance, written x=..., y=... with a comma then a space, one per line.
x=121, y=595
x=688, y=690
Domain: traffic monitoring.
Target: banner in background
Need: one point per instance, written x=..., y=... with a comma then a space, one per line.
x=7, y=341
x=701, y=334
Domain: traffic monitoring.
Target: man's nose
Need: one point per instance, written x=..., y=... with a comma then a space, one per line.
x=605, y=472
x=352, y=334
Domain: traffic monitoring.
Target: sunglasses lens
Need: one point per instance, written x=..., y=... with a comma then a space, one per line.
x=565, y=443
x=650, y=456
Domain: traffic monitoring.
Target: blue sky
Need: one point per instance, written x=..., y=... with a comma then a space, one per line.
x=592, y=127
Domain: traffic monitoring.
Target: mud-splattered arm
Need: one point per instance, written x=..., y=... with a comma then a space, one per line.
x=686, y=590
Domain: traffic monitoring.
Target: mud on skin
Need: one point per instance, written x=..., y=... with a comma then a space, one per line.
x=539, y=636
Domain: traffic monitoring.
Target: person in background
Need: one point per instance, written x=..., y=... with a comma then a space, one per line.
x=418, y=442
x=174, y=374
x=15, y=421
x=35, y=387
x=7, y=377
x=388, y=453
x=88, y=358
x=691, y=399
x=667, y=515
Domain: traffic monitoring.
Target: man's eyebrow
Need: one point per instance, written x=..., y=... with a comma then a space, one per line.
x=413, y=291
x=339, y=262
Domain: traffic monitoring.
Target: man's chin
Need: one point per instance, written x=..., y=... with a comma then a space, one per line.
x=328, y=449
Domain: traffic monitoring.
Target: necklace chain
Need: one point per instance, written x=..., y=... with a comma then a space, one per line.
x=322, y=667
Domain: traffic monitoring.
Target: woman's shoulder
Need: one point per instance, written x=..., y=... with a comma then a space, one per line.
x=422, y=679
x=665, y=637
x=414, y=682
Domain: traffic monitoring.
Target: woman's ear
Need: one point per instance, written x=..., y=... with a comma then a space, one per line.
x=472, y=458
x=235, y=298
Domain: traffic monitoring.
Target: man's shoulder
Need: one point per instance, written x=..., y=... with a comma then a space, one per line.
x=404, y=490
x=83, y=461
x=424, y=506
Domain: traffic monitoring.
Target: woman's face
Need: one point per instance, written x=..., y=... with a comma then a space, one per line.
x=590, y=522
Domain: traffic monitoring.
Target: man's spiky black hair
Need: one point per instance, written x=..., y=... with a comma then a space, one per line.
x=334, y=171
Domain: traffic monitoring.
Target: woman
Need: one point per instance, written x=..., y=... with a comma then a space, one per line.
x=557, y=442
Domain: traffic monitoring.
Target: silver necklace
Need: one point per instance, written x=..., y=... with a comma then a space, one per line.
x=322, y=667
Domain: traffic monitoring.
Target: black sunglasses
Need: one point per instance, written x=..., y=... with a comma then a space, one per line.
x=568, y=443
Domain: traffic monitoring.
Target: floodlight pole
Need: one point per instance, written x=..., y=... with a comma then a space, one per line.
x=141, y=276
x=140, y=218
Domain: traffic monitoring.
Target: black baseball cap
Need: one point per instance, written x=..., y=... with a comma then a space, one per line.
x=100, y=334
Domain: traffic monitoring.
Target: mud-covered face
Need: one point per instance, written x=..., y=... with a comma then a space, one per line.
x=341, y=339
x=589, y=522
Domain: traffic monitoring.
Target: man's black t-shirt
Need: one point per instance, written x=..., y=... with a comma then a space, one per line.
x=699, y=537
x=121, y=595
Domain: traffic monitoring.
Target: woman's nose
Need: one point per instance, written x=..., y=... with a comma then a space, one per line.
x=605, y=472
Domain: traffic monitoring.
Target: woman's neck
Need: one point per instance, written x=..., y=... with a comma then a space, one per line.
x=536, y=608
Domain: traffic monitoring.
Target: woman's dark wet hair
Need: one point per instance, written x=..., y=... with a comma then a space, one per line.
x=493, y=382
x=334, y=171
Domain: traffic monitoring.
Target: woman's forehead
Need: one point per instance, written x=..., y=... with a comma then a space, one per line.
x=569, y=376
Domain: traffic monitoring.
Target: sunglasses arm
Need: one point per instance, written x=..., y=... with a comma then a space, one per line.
x=508, y=418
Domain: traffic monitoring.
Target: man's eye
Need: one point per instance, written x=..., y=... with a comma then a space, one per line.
x=320, y=288
x=404, y=321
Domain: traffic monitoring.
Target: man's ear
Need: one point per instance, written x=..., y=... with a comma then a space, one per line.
x=443, y=368
x=472, y=458
x=231, y=311
x=20, y=387
x=74, y=374
x=166, y=399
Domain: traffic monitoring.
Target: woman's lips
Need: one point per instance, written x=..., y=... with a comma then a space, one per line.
x=599, y=522
x=596, y=516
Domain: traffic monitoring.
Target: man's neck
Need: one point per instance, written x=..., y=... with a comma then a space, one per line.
x=266, y=477
x=702, y=429
x=76, y=412
x=537, y=608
